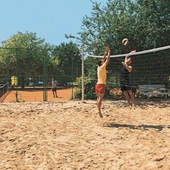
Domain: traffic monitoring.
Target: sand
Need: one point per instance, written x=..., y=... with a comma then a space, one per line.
x=69, y=135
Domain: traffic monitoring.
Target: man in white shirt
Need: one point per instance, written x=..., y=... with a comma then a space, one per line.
x=54, y=87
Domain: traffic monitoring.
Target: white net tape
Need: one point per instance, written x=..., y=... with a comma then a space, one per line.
x=137, y=53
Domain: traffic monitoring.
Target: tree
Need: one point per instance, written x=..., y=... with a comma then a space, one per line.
x=144, y=22
x=67, y=58
x=23, y=54
x=152, y=20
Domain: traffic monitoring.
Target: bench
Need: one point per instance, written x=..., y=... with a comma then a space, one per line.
x=153, y=90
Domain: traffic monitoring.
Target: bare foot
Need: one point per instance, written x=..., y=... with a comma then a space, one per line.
x=100, y=114
x=133, y=106
x=130, y=106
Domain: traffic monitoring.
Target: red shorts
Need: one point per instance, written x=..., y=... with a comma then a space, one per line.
x=100, y=88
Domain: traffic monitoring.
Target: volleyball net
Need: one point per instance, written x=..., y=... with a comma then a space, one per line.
x=137, y=53
x=149, y=67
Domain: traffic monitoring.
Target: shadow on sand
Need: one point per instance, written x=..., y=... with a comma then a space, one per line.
x=144, y=127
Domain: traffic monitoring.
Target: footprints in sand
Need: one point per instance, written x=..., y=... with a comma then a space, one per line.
x=70, y=135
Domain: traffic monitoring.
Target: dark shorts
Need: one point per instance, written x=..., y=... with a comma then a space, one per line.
x=100, y=88
x=54, y=89
x=125, y=87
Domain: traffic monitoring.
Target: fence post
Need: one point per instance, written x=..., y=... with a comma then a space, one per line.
x=45, y=77
x=82, y=74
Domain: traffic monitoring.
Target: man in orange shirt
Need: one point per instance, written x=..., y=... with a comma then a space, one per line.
x=100, y=87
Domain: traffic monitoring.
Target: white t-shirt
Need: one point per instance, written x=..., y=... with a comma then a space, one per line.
x=54, y=84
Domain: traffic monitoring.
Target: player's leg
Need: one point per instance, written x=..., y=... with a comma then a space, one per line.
x=53, y=92
x=100, y=91
x=99, y=104
x=56, y=92
x=126, y=94
x=132, y=97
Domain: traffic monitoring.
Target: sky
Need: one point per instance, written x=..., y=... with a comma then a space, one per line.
x=49, y=19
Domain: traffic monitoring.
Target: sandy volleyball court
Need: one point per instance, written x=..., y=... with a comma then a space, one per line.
x=70, y=136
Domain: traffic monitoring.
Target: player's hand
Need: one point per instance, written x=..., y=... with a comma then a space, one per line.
x=134, y=51
x=107, y=48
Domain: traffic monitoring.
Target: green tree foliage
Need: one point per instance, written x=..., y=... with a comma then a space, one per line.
x=146, y=24
x=153, y=28
x=67, y=57
x=22, y=55
x=27, y=56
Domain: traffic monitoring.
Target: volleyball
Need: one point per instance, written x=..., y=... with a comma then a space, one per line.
x=125, y=41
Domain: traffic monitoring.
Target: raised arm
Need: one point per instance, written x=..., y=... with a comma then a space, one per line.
x=107, y=55
x=126, y=58
x=129, y=68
